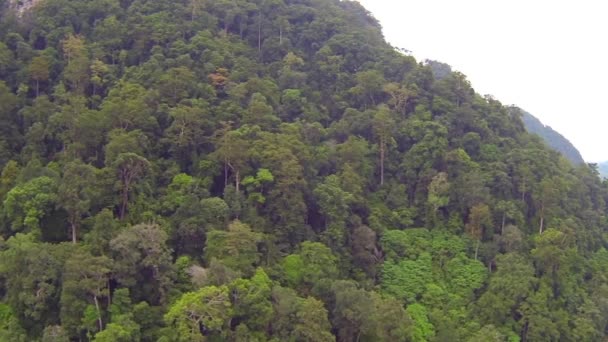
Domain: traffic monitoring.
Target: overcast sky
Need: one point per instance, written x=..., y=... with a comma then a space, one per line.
x=547, y=57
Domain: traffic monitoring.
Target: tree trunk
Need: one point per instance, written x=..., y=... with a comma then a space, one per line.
x=225, y=173
x=382, y=147
x=542, y=219
x=109, y=291
x=502, y=226
x=98, y=313
x=37, y=88
x=125, y=201
x=74, y=229
x=260, y=33
x=237, y=181
x=524, y=333
x=476, y=249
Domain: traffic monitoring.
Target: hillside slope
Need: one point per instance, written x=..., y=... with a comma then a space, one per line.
x=273, y=170
x=553, y=138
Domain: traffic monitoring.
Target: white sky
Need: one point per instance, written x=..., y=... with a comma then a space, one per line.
x=547, y=57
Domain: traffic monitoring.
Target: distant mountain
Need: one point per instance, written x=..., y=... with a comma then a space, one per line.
x=553, y=139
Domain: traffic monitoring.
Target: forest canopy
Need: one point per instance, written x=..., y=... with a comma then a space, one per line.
x=273, y=170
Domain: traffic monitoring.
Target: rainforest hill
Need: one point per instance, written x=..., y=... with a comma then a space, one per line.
x=553, y=139
x=273, y=170
x=533, y=125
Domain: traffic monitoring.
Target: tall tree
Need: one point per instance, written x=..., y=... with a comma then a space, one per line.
x=129, y=168
x=480, y=219
x=383, y=125
x=231, y=148
x=75, y=192
x=39, y=70
x=236, y=248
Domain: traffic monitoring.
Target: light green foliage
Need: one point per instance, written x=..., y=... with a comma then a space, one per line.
x=27, y=204
x=293, y=267
x=407, y=279
x=464, y=276
x=252, y=300
x=408, y=243
x=255, y=185
x=208, y=307
x=10, y=329
x=178, y=191
x=423, y=330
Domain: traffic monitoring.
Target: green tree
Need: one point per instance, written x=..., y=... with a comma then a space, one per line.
x=39, y=71
x=85, y=281
x=25, y=205
x=251, y=300
x=237, y=247
x=207, y=309
x=423, y=330
x=480, y=220
x=352, y=311
x=126, y=107
x=122, y=327
x=407, y=279
x=74, y=194
x=129, y=168
x=32, y=275
x=232, y=150
x=382, y=125
x=76, y=71
x=334, y=203
x=140, y=254
x=311, y=322
x=438, y=196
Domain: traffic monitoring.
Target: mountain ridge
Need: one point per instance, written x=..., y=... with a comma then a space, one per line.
x=552, y=138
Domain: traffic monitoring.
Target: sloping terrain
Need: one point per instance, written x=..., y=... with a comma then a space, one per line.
x=552, y=138
x=273, y=170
